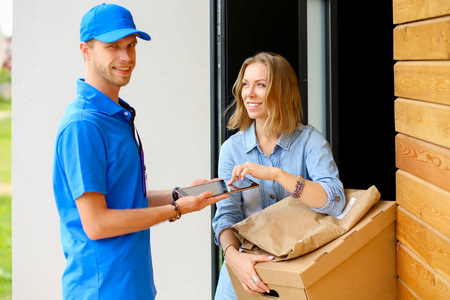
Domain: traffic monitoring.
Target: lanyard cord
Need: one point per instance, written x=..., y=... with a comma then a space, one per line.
x=133, y=127
x=137, y=141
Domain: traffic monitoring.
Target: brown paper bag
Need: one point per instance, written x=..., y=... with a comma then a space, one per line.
x=289, y=228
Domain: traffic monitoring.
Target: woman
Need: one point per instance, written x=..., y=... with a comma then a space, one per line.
x=276, y=150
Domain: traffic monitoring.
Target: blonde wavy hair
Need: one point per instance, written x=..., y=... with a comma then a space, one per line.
x=283, y=100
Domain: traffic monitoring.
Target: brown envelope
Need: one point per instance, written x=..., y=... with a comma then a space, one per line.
x=289, y=228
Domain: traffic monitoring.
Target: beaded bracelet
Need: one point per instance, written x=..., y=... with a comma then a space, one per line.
x=298, y=187
x=177, y=211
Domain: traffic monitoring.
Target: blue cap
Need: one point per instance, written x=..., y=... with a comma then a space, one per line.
x=108, y=23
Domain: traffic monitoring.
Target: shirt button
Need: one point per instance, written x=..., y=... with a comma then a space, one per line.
x=125, y=113
x=272, y=196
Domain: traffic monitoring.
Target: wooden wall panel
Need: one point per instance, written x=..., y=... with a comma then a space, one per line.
x=404, y=292
x=420, y=277
x=425, y=241
x=423, y=80
x=424, y=40
x=424, y=120
x=413, y=10
x=422, y=147
x=425, y=160
x=426, y=201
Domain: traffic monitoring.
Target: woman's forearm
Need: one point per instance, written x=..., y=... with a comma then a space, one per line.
x=313, y=193
x=228, y=241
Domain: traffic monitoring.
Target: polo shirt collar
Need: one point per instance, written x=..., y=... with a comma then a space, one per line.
x=100, y=101
x=250, y=140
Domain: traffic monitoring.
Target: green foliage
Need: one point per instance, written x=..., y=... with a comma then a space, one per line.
x=5, y=149
x=5, y=202
x=5, y=248
x=5, y=104
x=5, y=75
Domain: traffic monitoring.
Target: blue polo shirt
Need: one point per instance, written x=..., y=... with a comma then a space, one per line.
x=96, y=152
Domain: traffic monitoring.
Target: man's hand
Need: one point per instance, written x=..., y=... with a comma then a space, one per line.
x=196, y=203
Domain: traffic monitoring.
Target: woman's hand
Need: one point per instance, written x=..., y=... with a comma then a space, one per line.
x=255, y=170
x=243, y=266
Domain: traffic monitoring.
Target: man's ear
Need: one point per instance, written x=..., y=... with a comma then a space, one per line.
x=85, y=50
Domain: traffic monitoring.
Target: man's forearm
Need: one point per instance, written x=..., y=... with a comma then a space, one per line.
x=159, y=198
x=101, y=222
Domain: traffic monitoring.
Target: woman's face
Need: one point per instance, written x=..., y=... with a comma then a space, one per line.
x=254, y=89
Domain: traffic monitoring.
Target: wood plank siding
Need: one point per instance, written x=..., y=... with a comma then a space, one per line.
x=422, y=146
x=423, y=120
x=425, y=160
x=423, y=80
x=421, y=278
x=413, y=10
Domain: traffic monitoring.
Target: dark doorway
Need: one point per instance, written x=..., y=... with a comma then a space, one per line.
x=248, y=27
x=241, y=29
x=366, y=97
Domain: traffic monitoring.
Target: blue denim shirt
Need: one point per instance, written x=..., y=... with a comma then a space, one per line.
x=304, y=152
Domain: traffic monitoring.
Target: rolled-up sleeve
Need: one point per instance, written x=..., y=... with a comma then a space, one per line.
x=335, y=201
x=322, y=168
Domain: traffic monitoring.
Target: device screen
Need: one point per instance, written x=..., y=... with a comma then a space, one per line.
x=218, y=188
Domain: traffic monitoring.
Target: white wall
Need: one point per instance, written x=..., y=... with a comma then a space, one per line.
x=169, y=89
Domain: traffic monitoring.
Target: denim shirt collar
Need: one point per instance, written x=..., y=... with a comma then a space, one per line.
x=250, y=140
x=100, y=101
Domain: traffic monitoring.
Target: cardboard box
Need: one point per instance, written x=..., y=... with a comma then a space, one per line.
x=360, y=264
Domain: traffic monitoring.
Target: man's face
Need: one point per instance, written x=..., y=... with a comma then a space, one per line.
x=113, y=62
